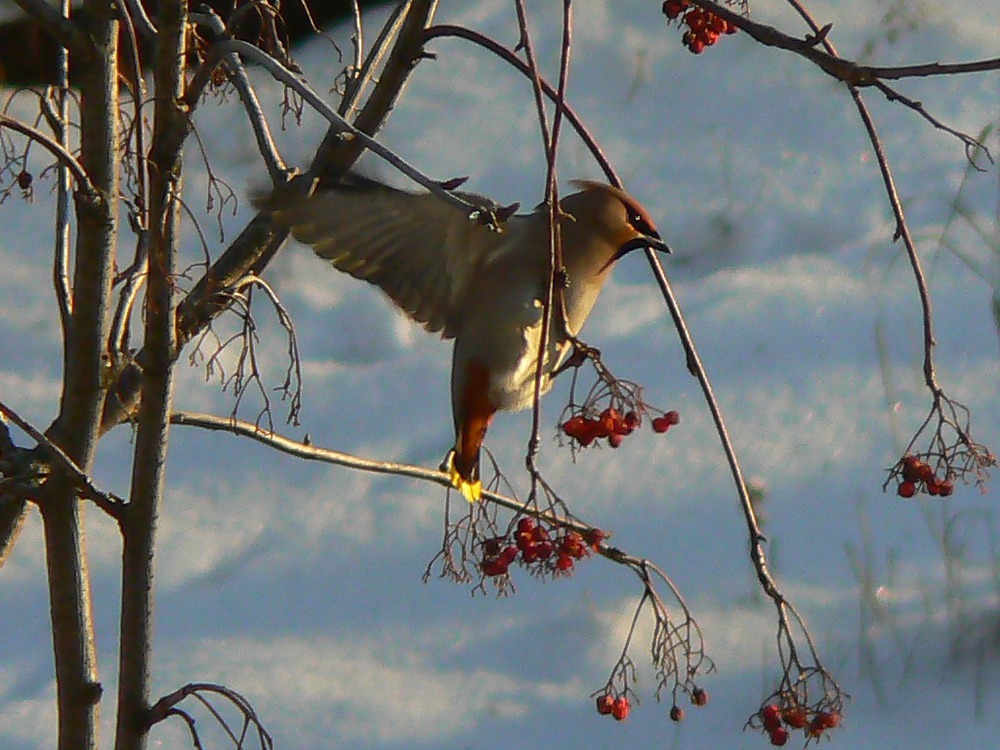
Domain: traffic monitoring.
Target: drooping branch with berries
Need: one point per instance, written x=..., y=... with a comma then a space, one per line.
x=808, y=699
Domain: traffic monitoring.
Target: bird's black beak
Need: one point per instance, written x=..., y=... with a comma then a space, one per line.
x=651, y=241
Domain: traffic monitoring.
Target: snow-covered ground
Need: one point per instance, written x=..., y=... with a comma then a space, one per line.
x=299, y=584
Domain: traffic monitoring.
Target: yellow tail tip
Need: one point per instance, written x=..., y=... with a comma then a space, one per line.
x=471, y=490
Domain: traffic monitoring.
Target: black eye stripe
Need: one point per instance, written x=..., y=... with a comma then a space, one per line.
x=641, y=224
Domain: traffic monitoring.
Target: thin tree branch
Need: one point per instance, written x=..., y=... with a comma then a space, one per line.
x=55, y=148
x=366, y=72
x=135, y=274
x=345, y=129
x=68, y=33
x=460, y=32
x=276, y=167
x=848, y=71
x=60, y=126
x=334, y=155
x=107, y=501
x=902, y=228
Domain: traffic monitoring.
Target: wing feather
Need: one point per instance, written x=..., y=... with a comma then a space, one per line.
x=421, y=251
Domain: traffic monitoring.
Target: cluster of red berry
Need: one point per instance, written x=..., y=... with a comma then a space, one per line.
x=535, y=544
x=617, y=707
x=703, y=27
x=915, y=473
x=611, y=424
x=777, y=721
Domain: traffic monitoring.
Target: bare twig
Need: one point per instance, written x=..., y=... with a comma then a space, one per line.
x=276, y=167
x=849, y=72
x=460, y=32
x=56, y=149
x=166, y=707
x=550, y=142
x=348, y=131
x=106, y=501
x=134, y=275
x=364, y=73
x=55, y=23
x=60, y=125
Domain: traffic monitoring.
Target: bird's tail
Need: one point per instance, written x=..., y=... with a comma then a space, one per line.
x=474, y=412
x=464, y=473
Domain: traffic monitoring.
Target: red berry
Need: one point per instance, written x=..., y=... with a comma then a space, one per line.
x=816, y=727
x=699, y=696
x=610, y=418
x=660, y=424
x=24, y=180
x=526, y=525
x=574, y=426
x=529, y=553
x=906, y=489
x=621, y=708
x=594, y=537
x=572, y=544
x=605, y=704
x=910, y=466
x=933, y=488
x=796, y=717
x=508, y=554
x=946, y=487
x=590, y=435
x=543, y=550
x=925, y=473
x=491, y=547
x=673, y=417
x=676, y=713
x=540, y=534
x=632, y=420
x=564, y=563
x=673, y=8
x=828, y=719
x=771, y=716
x=695, y=19
x=615, y=439
x=779, y=736
x=495, y=567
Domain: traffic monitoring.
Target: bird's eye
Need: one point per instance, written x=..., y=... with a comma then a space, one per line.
x=641, y=224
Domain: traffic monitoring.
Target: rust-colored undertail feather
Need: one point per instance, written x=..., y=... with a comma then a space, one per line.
x=476, y=415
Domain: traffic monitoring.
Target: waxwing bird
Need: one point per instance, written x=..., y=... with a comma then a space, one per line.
x=483, y=288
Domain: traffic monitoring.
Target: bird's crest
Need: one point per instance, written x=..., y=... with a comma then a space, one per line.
x=638, y=217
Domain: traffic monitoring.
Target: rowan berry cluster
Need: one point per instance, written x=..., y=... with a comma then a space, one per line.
x=915, y=474
x=613, y=425
x=608, y=705
x=536, y=544
x=703, y=27
x=777, y=721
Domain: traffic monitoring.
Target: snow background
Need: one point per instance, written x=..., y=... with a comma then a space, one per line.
x=298, y=584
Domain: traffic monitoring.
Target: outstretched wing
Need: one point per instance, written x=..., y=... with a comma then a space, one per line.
x=421, y=251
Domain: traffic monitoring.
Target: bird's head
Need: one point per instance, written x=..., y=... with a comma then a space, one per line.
x=614, y=216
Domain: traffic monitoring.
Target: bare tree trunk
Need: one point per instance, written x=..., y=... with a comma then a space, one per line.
x=76, y=428
x=170, y=128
